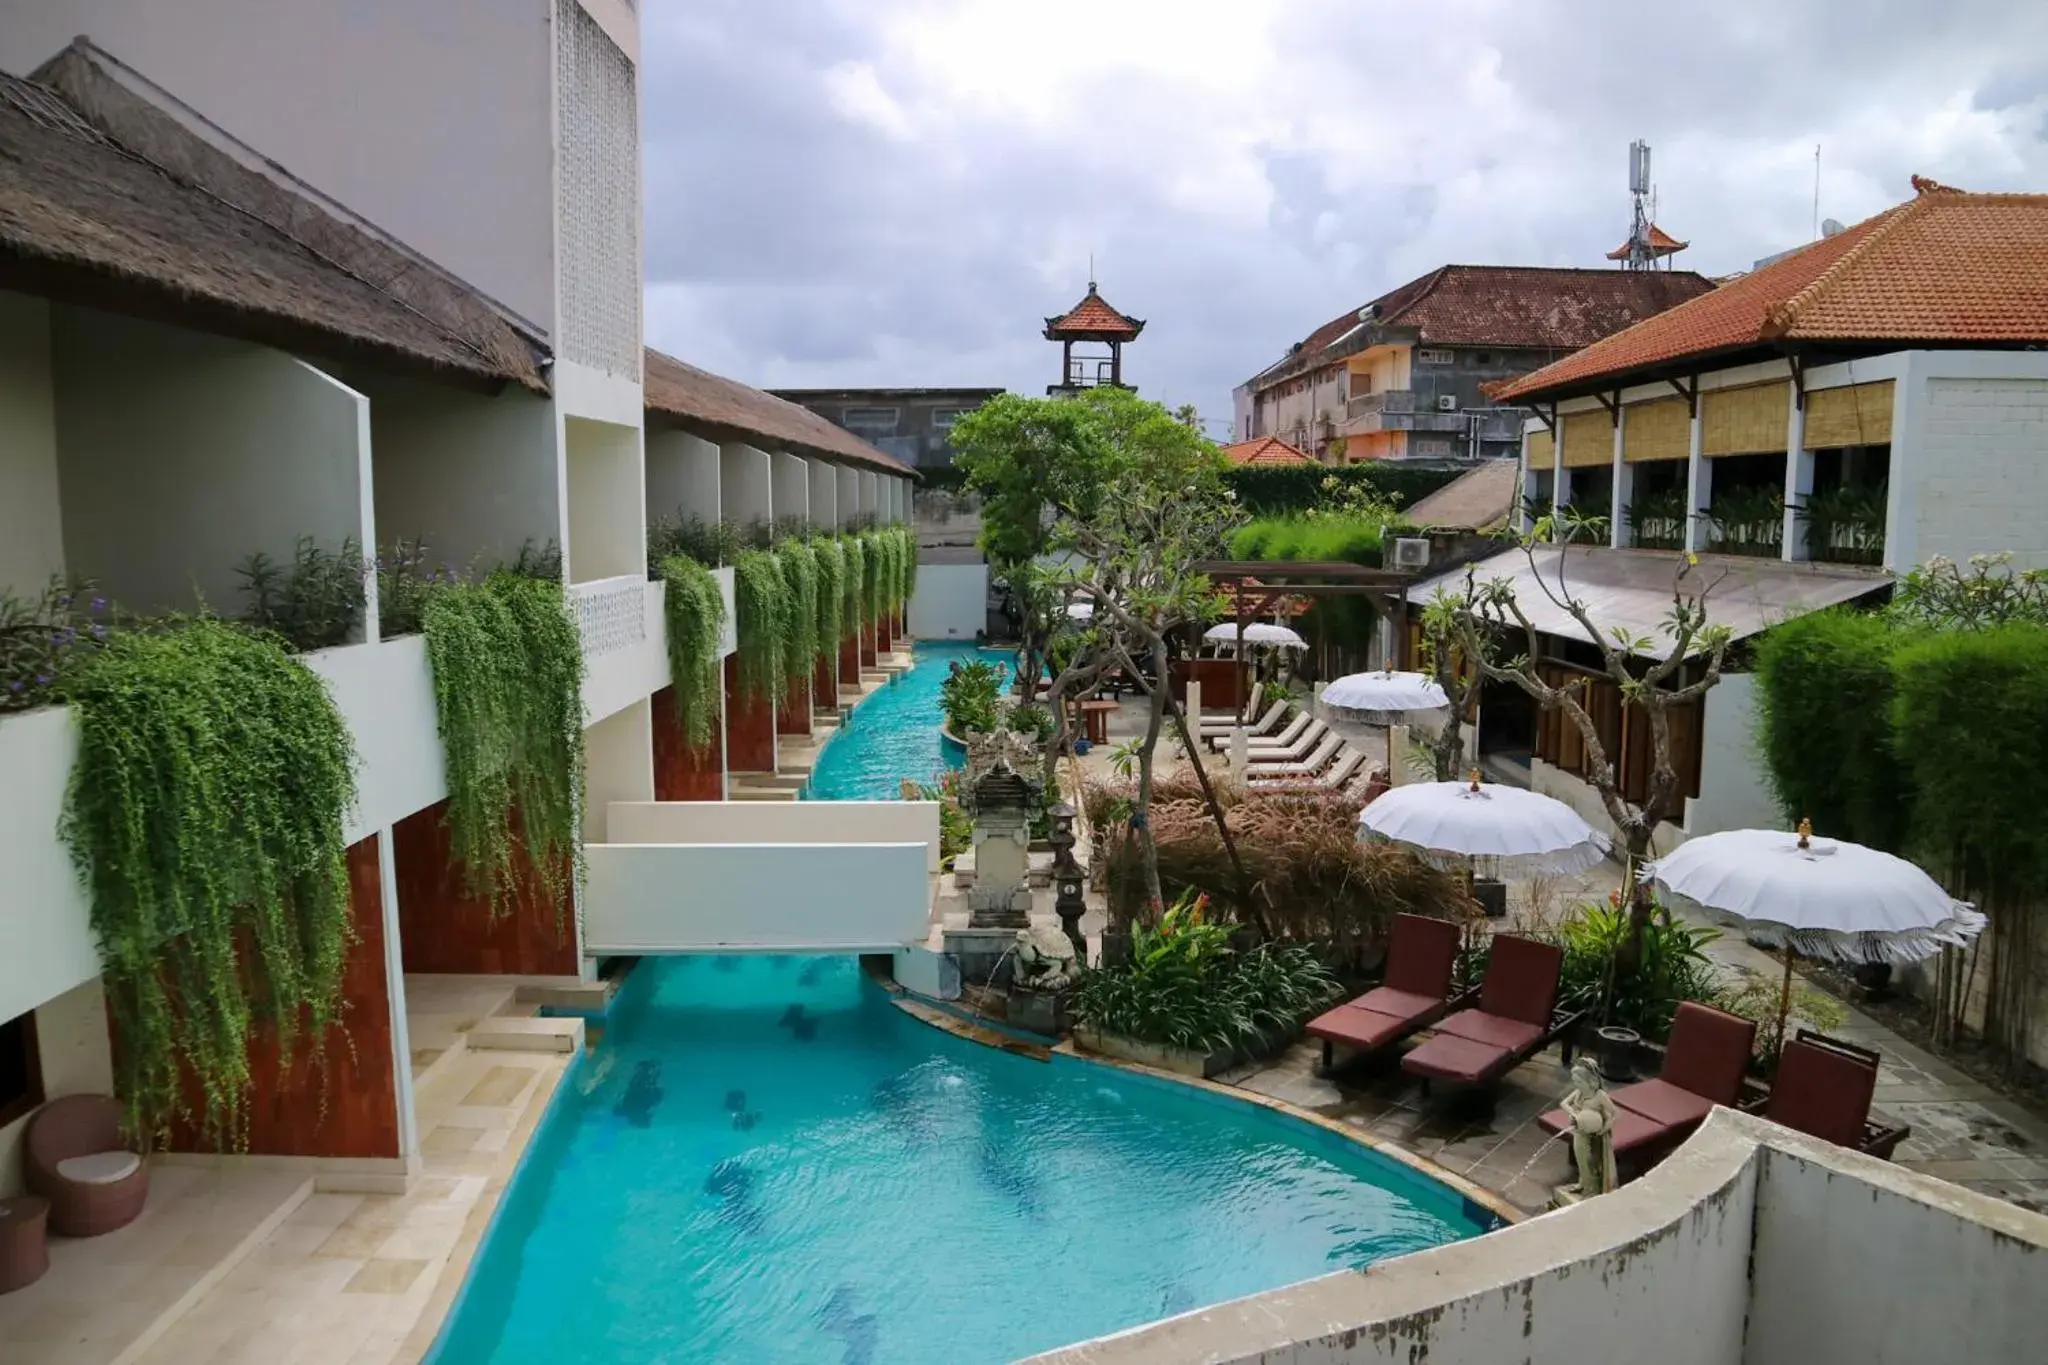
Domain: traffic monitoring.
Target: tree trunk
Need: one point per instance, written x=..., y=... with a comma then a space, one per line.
x=1141, y=812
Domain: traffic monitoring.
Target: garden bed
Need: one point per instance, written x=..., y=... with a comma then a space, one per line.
x=1179, y=1060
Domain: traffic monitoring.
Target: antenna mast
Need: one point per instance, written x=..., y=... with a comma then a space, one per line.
x=1639, y=255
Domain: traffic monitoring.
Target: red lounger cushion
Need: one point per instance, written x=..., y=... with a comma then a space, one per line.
x=1405, y=1004
x=1421, y=955
x=1358, y=1027
x=1521, y=979
x=1708, y=1052
x=1481, y=1027
x=1662, y=1102
x=1455, y=1059
x=1822, y=1092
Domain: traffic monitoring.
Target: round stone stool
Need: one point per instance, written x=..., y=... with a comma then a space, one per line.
x=24, y=1249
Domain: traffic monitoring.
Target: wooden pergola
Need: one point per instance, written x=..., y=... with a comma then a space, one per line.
x=1278, y=580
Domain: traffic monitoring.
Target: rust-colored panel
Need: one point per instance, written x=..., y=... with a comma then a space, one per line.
x=1218, y=678
x=825, y=686
x=749, y=726
x=793, y=716
x=868, y=644
x=680, y=772
x=444, y=930
x=349, y=1108
x=849, y=661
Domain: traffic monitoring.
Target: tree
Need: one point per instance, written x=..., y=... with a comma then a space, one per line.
x=1443, y=661
x=1487, y=614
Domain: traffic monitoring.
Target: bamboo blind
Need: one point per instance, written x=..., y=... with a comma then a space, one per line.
x=1660, y=429
x=1745, y=421
x=1588, y=439
x=1854, y=415
x=1540, y=454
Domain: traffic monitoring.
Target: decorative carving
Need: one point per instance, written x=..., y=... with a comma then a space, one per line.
x=1045, y=960
x=1001, y=798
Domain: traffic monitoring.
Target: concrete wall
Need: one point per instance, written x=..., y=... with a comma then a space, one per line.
x=607, y=514
x=77, y=1059
x=766, y=822
x=682, y=476
x=746, y=482
x=1735, y=793
x=848, y=501
x=386, y=694
x=624, y=630
x=824, y=494
x=790, y=479
x=618, y=762
x=31, y=523
x=179, y=455
x=475, y=476
x=384, y=105
x=1981, y=471
x=45, y=924
x=653, y=898
x=951, y=601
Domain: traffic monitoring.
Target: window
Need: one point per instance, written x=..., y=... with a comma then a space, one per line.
x=1361, y=383
x=943, y=418
x=1430, y=355
x=1429, y=446
x=1482, y=357
x=870, y=421
x=21, y=1068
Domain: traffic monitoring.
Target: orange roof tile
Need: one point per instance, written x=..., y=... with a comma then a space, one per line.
x=1092, y=319
x=1944, y=267
x=1662, y=243
x=1264, y=450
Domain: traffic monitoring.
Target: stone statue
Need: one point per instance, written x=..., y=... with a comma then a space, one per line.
x=1591, y=1110
x=1045, y=960
x=1001, y=799
x=1000, y=748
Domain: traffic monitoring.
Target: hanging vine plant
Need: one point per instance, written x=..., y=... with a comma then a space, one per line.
x=831, y=595
x=508, y=690
x=761, y=607
x=800, y=575
x=205, y=817
x=856, y=613
x=909, y=563
x=874, y=574
x=696, y=618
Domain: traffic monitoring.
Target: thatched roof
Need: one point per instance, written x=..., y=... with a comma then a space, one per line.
x=1477, y=500
x=113, y=196
x=726, y=410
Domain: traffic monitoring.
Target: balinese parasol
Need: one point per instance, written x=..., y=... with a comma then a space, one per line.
x=1452, y=823
x=1820, y=898
x=1255, y=633
x=1389, y=692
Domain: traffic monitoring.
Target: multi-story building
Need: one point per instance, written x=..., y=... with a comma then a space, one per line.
x=914, y=425
x=1403, y=377
x=1809, y=430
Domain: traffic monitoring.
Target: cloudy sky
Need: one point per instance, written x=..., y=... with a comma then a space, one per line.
x=896, y=192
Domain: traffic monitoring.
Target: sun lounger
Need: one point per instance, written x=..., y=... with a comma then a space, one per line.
x=1316, y=734
x=1340, y=774
x=1322, y=757
x=1227, y=716
x=1301, y=727
x=1703, y=1066
x=1268, y=724
x=1421, y=954
x=1823, y=1088
x=1516, y=1018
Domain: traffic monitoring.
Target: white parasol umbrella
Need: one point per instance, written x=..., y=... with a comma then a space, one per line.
x=1454, y=822
x=1255, y=633
x=1387, y=691
x=1080, y=611
x=1817, y=897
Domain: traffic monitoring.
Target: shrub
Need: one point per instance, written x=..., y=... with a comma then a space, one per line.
x=970, y=698
x=956, y=826
x=695, y=608
x=800, y=641
x=713, y=544
x=315, y=602
x=1277, y=490
x=1315, y=539
x=407, y=575
x=761, y=609
x=44, y=637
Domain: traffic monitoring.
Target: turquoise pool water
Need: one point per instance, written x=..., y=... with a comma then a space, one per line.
x=894, y=734
x=766, y=1161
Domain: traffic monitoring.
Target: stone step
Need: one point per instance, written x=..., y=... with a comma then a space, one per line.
x=573, y=995
x=529, y=1034
x=744, y=793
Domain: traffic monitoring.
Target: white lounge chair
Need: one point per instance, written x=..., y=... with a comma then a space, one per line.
x=1230, y=715
x=1265, y=727
x=1307, y=767
x=1212, y=725
x=1290, y=750
x=1340, y=775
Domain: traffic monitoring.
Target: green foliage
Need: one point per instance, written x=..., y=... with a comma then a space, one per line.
x=801, y=645
x=1824, y=705
x=956, y=826
x=1034, y=721
x=534, y=560
x=1674, y=969
x=971, y=697
x=315, y=602
x=855, y=611
x=1186, y=987
x=1845, y=524
x=508, y=690
x=1941, y=595
x=761, y=608
x=696, y=618
x=713, y=544
x=205, y=817
x=1658, y=517
x=1748, y=521
x=42, y=638
x=874, y=575
x=1755, y=995
x=407, y=575
x=1311, y=539
x=832, y=626
x=1284, y=490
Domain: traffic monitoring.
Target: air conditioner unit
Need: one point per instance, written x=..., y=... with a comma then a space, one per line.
x=1447, y=402
x=1411, y=553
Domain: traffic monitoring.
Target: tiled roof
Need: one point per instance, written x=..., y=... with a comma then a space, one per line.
x=1662, y=243
x=1264, y=450
x=1512, y=307
x=727, y=409
x=1944, y=267
x=1092, y=317
x=1474, y=501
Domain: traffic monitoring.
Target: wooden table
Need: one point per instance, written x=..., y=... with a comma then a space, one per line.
x=1095, y=715
x=24, y=1245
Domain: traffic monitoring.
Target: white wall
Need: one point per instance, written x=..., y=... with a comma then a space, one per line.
x=31, y=522
x=180, y=454
x=745, y=484
x=386, y=694
x=77, y=1059
x=767, y=822
x=385, y=105
x=951, y=602
x=46, y=940
x=1982, y=470
x=624, y=630
x=849, y=493
x=682, y=476
x=792, y=485
x=476, y=476
x=652, y=898
x=871, y=494
x=1734, y=790
x=618, y=764
x=824, y=488
x=606, y=490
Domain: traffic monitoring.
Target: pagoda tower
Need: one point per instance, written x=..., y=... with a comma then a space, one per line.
x=1100, y=331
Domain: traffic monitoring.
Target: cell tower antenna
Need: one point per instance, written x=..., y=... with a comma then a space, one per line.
x=1639, y=256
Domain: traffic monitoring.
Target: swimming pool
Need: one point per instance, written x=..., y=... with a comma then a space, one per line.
x=894, y=734
x=767, y=1161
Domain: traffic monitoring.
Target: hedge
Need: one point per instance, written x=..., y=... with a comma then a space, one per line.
x=1276, y=490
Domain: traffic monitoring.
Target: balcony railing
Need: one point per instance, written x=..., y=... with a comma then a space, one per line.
x=1386, y=400
x=611, y=613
